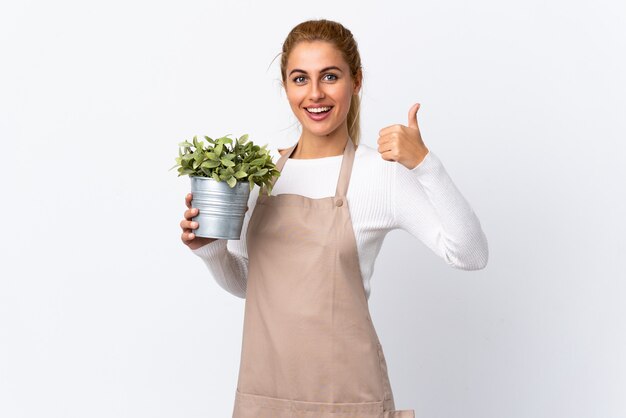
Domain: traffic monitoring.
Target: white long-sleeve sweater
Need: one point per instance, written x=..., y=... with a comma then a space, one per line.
x=382, y=196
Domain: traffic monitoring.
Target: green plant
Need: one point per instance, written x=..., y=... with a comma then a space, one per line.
x=241, y=161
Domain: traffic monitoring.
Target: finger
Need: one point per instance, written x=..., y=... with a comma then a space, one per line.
x=188, y=200
x=386, y=143
x=188, y=234
x=190, y=213
x=386, y=138
x=187, y=237
x=413, y=115
x=392, y=128
x=386, y=147
x=188, y=225
x=388, y=155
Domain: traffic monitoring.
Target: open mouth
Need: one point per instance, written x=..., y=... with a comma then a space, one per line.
x=318, y=110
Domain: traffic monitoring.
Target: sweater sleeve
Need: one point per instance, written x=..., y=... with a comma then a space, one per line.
x=428, y=205
x=227, y=260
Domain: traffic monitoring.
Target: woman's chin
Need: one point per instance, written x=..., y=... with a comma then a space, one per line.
x=320, y=131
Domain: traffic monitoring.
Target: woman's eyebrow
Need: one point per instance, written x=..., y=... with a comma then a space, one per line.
x=321, y=71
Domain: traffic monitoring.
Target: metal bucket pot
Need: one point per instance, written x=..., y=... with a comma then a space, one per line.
x=221, y=209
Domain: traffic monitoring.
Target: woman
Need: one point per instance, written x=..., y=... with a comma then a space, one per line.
x=307, y=251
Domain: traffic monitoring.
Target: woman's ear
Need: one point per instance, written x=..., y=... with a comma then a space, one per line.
x=358, y=80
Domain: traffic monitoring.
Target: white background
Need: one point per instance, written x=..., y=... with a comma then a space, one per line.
x=105, y=313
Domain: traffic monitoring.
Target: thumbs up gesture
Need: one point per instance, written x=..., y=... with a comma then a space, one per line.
x=403, y=143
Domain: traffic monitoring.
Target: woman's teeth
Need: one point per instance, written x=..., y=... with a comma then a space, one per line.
x=318, y=109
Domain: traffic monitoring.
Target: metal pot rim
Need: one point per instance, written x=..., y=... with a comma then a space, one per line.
x=221, y=181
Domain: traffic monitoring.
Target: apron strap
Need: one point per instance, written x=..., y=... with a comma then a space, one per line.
x=346, y=169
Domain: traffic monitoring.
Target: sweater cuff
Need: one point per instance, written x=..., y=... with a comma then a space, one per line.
x=212, y=249
x=428, y=165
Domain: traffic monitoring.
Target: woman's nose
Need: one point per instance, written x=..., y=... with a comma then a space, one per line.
x=317, y=92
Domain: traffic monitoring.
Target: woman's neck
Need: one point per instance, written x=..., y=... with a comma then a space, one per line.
x=318, y=147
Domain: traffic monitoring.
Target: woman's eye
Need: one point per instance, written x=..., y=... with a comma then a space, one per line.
x=300, y=79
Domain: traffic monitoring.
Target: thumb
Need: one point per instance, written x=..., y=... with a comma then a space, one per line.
x=413, y=115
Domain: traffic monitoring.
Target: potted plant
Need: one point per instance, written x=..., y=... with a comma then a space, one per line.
x=223, y=173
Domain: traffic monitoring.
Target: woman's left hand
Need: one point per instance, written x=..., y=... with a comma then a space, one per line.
x=403, y=143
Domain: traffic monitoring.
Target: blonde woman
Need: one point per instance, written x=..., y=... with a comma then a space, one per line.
x=307, y=251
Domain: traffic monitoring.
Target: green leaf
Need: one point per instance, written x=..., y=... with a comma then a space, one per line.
x=227, y=163
x=185, y=144
x=241, y=174
x=232, y=181
x=211, y=156
x=215, y=176
x=210, y=164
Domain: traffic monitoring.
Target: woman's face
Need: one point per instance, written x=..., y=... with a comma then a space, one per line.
x=318, y=78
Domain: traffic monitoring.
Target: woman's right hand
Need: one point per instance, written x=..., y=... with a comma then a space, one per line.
x=188, y=225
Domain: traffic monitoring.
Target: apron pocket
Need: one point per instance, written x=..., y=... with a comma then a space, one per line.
x=258, y=406
x=405, y=413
